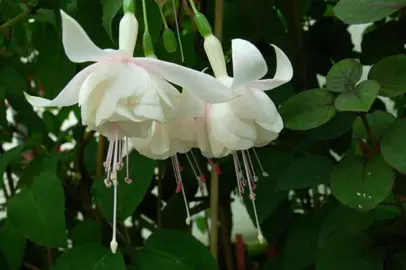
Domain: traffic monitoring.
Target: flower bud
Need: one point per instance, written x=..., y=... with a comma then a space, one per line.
x=128, y=32
x=214, y=52
x=147, y=44
x=203, y=25
x=169, y=40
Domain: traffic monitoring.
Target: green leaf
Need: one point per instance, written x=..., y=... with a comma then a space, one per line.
x=90, y=256
x=301, y=242
x=344, y=75
x=360, y=99
x=349, y=250
x=308, y=109
x=392, y=145
x=272, y=264
x=362, y=183
x=129, y=195
x=341, y=219
x=12, y=244
x=379, y=122
x=110, y=10
x=7, y=158
x=384, y=212
x=390, y=74
x=42, y=163
x=38, y=212
x=334, y=128
x=14, y=83
x=398, y=261
x=306, y=172
x=366, y=11
x=278, y=222
x=53, y=69
x=201, y=224
x=87, y=231
x=173, y=250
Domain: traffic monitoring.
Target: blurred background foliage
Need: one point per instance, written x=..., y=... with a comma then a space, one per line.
x=334, y=198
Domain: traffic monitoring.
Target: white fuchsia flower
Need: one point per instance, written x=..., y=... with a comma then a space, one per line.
x=121, y=96
x=119, y=93
x=250, y=119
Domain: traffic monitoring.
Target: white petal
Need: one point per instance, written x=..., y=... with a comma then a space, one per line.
x=248, y=63
x=67, y=97
x=183, y=130
x=189, y=106
x=88, y=109
x=265, y=137
x=125, y=113
x=204, y=86
x=157, y=145
x=202, y=139
x=135, y=129
x=255, y=105
x=276, y=126
x=77, y=44
x=118, y=87
x=149, y=104
x=92, y=81
x=283, y=74
x=228, y=129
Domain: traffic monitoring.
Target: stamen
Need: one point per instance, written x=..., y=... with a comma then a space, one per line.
x=238, y=175
x=197, y=176
x=107, y=163
x=127, y=161
x=264, y=173
x=120, y=164
x=179, y=186
x=252, y=195
x=113, y=243
x=252, y=168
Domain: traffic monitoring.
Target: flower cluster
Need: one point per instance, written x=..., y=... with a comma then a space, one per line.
x=133, y=101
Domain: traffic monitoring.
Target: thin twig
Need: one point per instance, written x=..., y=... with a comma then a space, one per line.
x=399, y=205
x=368, y=129
x=214, y=183
x=31, y=267
x=50, y=257
x=101, y=147
x=214, y=202
x=225, y=229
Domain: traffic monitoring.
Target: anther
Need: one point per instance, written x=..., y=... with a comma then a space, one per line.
x=264, y=173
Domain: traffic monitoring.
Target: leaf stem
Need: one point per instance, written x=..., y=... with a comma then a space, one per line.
x=15, y=20
x=368, y=129
x=144, y=12
x=193, y=6
x=162, y=15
